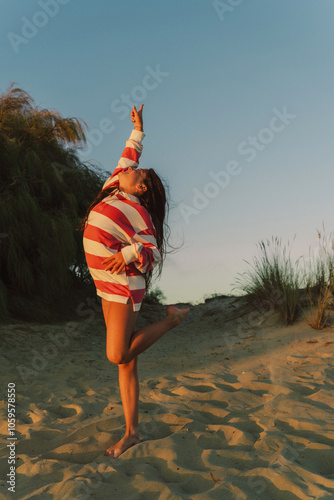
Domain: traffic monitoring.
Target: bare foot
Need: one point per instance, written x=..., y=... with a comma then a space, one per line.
x=126, y=442
x=176, y=315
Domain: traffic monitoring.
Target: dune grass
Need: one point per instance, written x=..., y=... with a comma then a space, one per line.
x=317, y=313
x=319, y=281
x=273, y=277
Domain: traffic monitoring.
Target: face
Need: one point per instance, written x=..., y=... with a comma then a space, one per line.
x=132, y=181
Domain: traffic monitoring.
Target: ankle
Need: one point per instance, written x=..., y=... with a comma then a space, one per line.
x=171, y=321
x=131, y=433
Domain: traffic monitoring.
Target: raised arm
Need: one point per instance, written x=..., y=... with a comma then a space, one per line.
x=133, y=148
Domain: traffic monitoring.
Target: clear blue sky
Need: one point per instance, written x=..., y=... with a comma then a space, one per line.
x=224, y=72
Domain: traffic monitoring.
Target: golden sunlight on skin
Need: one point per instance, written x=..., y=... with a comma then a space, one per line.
x=128, y=375
x=132, y=181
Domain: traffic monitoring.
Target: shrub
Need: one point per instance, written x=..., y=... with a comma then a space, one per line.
x=44, y=192
x=272, y=277
x=155, y=296
x=319, y=282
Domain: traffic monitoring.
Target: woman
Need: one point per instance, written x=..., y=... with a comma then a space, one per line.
x=123, y=241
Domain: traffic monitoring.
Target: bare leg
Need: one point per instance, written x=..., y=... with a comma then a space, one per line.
x=129, y=388
x=123, y=346
x=148, y=335
x=123, y=343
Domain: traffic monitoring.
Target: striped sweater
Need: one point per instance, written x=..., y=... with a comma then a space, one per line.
x=120, y=223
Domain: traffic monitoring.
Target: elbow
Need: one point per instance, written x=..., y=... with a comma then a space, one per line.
x=148, y=260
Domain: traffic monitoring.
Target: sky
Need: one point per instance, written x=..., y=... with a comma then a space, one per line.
x=238, y=114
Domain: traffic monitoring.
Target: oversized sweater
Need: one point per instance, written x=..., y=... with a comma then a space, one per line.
x=120, y=223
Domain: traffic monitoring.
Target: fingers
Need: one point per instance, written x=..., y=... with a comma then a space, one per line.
x=113, y=266
x=134, y=110
x=117, y=268
x=134, y=114
x=109, y=266
x=110, y=261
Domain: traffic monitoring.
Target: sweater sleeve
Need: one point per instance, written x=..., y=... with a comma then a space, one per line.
x=143, y=250
x=130, y=157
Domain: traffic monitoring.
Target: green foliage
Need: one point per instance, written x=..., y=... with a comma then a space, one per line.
x=273, y=277
x=155, y=296
x=319, y=281
x=319, y=268
x=317, y=314
x=44, y=193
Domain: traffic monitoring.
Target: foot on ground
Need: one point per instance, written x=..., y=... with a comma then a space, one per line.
x=126, y=442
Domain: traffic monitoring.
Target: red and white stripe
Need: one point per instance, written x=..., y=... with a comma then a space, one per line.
x=120, y=223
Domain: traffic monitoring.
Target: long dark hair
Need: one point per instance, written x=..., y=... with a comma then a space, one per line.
x=156, y=202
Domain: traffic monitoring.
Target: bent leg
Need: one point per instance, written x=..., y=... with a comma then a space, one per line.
x=123, y=346
x=127, y=374
x=123, y=343
x=143, y=338
x=120, y=322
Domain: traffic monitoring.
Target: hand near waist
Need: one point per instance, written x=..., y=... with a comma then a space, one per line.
x=116, y=263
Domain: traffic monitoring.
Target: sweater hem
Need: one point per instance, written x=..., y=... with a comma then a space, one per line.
x=118, y=298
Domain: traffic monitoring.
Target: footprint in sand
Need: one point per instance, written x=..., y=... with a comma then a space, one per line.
x=318, y=460
x=151, y=408
x=47, y=435
x=227, y=388
x=216, y=403
x=67, y=411
x=228, y=437
x=39, y=441
x=209, y=418
x=303, y=390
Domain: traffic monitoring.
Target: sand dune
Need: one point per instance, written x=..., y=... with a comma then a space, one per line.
x=233, y=405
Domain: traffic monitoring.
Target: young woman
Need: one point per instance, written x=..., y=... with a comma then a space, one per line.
x=124, y=240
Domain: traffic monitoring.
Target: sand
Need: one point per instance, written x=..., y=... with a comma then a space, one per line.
x=233, y=405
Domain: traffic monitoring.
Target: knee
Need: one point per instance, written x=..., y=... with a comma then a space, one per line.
x=117, y=358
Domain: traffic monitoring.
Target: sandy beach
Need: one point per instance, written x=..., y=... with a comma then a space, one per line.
x=233, y=405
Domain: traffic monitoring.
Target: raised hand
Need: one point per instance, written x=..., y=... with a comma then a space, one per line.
x=137, y=117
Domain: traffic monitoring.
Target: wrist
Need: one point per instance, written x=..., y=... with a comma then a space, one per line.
x=139, y=128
